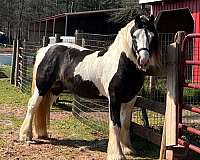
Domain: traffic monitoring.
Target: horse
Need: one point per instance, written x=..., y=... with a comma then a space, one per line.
x=116, y=73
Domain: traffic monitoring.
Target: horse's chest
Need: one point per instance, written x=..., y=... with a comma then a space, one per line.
x=130, y=86
x=127, y=81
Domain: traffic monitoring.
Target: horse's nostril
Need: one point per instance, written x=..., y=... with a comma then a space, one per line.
x=144, y=62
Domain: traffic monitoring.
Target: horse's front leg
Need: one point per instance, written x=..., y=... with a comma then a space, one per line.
x=125, y=118
x=114, y=150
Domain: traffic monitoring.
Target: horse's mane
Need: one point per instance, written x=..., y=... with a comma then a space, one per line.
x=121, y=38
x=123, y=33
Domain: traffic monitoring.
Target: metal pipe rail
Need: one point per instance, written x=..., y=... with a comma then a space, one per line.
x=188, y=145
x=190, y=62
x=189, y=129
x=187, y=38
x=191, y=85
x=185, y=49
x=191, y=108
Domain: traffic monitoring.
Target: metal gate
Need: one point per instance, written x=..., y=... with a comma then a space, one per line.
x=189, y=108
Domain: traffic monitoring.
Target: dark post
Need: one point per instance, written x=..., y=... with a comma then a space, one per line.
x=12, y=74
x=45, y=41
x=66, y=22
x=145, y=118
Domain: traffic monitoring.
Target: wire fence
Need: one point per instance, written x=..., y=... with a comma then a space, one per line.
x=94, y=113
x=26, y=60
x=94, y=41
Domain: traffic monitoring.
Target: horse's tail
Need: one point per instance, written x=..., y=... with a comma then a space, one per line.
x=42, y=117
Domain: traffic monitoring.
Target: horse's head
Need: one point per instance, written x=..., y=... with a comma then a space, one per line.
x=143, y=39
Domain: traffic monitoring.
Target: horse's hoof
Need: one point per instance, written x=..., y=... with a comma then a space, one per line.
x=116, y=157
x=45, y=137
x=41, y=135
x=128, y=151
x=25, y=138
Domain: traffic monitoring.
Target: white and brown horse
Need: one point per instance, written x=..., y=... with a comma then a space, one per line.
x=116, y=73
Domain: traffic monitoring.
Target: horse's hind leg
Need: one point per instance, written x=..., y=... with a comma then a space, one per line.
x=42, y=113
x=42, y=116
x=26, y=128
x=125, y=118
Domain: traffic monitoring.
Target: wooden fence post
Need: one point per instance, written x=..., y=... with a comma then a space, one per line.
x=170, y=129
x=169, y=135
x=172, y=100
x=12, y=74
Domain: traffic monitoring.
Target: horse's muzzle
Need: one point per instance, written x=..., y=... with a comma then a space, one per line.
x=143, y=60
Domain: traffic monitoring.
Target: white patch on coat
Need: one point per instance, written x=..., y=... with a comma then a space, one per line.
x=125, y=109
x=125, y=119
x=99, y=70
x=114, y=150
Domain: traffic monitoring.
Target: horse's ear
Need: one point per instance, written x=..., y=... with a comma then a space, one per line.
x=151, y=19
x=138, y=22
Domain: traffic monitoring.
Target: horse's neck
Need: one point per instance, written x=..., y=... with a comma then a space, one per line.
x=121, y=44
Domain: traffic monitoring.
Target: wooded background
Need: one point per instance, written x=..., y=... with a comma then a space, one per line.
x=15, y=14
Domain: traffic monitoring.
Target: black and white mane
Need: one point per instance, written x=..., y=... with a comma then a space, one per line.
x=117, y=73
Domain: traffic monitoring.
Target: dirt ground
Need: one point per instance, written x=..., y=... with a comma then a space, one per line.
x=55, y=148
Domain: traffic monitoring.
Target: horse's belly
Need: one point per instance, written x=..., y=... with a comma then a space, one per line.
x=85, y=88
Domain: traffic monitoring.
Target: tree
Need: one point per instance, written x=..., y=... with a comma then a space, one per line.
x=16, y=14
x=130, y=9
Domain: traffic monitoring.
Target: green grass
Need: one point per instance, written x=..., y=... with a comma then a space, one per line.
x=73, y=129
x=11, y=95
x=15, y=122
x=5, y=69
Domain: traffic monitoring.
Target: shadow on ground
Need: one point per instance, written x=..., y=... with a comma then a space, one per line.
x=96, y=145
x=143, y=148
